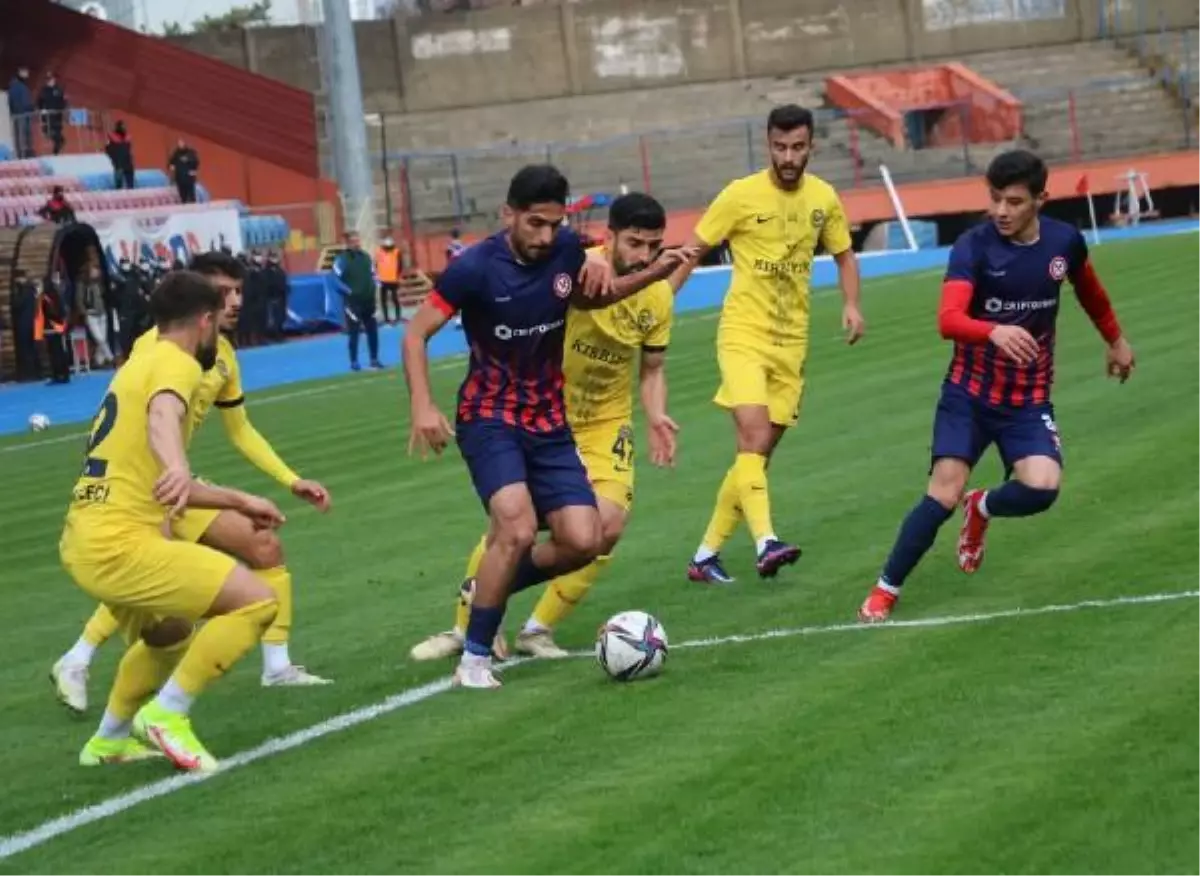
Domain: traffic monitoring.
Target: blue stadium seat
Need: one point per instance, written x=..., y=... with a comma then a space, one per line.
x=264, y=231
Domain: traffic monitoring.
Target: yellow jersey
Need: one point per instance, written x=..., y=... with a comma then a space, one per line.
x=603, y=348
x=773, y=235
x=116, y=487
x=220, y=385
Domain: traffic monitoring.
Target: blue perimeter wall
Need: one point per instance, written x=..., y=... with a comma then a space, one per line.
x=326, y=356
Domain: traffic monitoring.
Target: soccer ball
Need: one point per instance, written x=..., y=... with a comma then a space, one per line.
x=38, y=422
x=631, y=645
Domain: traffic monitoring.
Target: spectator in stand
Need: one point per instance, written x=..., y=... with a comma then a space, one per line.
x=120, y=152
x=56, y=209
x=356, y=281
x=93, y=301
x=52, y=104
x=23, y=306
x=133, y=311
x=54, y=327
x=183, y=166
x=20, y=110
x=276, y=286
x=387, y=269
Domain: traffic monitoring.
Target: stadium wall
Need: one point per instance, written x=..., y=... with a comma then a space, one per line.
x=508, y=54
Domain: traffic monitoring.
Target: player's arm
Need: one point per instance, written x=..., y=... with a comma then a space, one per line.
x=430, y=429
x=955, y=322
x=715, y=226
x=164, y=424
x=252, y=445
x=262, y=511
x=661, y=428
x=630, y=284
x=835, y=236
x=1094, y=300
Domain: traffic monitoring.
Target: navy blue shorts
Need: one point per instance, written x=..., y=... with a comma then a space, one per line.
x=547, y=463
x=965, y=426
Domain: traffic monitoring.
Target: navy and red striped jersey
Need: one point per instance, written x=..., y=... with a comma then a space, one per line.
x=514, y=315
x=991, y=281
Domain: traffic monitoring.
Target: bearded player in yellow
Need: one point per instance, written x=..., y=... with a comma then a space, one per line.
x=773, y=221
x=601, y=350
x=224, y=530
x=136, y=475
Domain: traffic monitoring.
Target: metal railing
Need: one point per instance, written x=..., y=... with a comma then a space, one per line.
x=74, y=131
x=685, y=167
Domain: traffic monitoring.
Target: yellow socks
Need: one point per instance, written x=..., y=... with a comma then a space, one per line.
x=750, y=469
x=221, y=642
x=100, y=626
x=565, y=592
x=280, y=580
x=726, y=516
x=142, y=671
x=462, y=608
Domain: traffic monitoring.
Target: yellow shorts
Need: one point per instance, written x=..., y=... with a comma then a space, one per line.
x=759, y=374
x=607, y=451
x=193, y=523
x=142, y=576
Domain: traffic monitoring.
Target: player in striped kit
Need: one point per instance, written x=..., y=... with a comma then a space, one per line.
x=1000, y=303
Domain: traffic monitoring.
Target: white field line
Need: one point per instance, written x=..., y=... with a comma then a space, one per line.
x=20, y=842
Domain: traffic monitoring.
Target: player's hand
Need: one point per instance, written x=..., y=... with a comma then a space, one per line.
x=172, y=488
x=597, y=275
x=264, y=512
x=1120, y=359
x=680, y=255
x=430, y=431
x=312, y=493
x=853, y=323
x=661, y=436
x=1015, y=343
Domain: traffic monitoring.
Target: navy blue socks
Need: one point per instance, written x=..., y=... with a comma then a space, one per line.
x=1015, y=499
x=916, y=537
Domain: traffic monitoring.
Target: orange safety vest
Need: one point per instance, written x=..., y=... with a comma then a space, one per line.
x=387, y=264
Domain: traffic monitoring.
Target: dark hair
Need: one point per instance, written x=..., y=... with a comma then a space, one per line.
x=537, y=184
x=181, y=296
x=636, y=210
x=789, y=117
x=1018, y=167
x=212, y=264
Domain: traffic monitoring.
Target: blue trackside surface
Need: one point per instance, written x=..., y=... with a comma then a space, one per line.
x=326, y=356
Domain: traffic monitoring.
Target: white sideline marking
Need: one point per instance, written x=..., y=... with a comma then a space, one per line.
x=56, y=827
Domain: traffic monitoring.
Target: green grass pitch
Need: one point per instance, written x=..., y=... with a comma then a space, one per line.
x=1055, y=742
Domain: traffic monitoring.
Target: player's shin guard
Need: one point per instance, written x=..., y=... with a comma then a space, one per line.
x=750, y=470
x=222, y=642
x=565, y=592
x=142, y=671
x=917, y=535
x=100, y=627
x=280, y=580
x=482, y=627
x=1015, y=499
x=726, y=515
x=528, y=574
